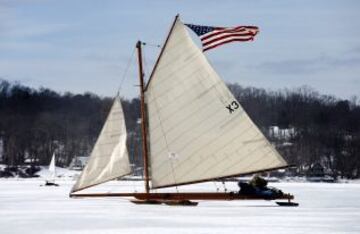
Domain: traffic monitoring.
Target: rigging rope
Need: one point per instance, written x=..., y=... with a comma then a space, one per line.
x=217, y=188
x=126, y=71
x=224, y=185
x=134, y=186
x=145, y=62
x=149, y=44
x=146, y=67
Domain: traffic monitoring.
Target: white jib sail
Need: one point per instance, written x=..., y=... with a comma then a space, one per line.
x=52, y=168
x=109, y=158
x=197, y=129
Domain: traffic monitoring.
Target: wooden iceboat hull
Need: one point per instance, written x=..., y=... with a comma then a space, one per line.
x=185, y=196
x=166, y=202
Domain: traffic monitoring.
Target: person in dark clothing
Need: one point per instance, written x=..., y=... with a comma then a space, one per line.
x=257, y=186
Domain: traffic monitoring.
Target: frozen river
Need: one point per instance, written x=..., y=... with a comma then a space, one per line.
x=25, y=208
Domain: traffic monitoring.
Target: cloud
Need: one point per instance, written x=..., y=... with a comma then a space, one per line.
x=13, y=3
x=23, y=29
x=354, y=51
x=305, y=66
x=13, y=28
x=14, y=23
x=24, y=46
x=71, y=74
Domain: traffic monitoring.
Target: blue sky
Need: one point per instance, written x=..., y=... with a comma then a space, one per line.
x=85, y=45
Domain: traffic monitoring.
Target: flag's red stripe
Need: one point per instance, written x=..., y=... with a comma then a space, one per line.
x=226, y=30
x=224, y=42
x=249, y=34
x=217, y=32
x=229, y=30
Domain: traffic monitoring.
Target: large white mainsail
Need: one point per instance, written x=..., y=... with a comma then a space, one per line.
x=197, y=129
x=109, y=158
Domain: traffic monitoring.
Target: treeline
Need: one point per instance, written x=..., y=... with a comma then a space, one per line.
x=318, y=129
x=322, y=129
x=36, y=123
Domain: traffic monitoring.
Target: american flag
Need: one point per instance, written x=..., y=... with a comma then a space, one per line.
x=212, y=37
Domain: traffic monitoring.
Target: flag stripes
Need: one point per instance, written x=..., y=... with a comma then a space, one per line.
x=212, y=37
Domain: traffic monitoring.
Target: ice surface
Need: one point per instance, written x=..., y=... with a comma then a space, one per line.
x=26, y=208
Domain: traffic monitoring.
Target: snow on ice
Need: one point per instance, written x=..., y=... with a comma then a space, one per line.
x=27, y=207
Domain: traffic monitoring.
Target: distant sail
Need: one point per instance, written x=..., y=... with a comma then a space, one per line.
x=197, y=129
x=52, y=167
x=109, y=158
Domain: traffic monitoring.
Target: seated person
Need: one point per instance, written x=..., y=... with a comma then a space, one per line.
x=258, y=186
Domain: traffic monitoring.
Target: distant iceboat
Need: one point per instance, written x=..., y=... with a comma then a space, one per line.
x=50, y=181
x=193, y=130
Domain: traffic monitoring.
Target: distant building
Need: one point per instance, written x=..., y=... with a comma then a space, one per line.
x=281, y=133
x=316, y=173
x=78, y=163
x=30, y=161
x=316, y=170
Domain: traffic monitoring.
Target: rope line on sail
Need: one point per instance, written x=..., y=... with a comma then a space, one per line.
x=236, y=163
x=187, y=145
x=166, y=142
x=128, y=64
x=203, y=133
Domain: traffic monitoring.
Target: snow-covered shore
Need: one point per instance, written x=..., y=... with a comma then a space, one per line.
x=64, y=174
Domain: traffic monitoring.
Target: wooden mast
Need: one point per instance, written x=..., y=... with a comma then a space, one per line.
x=143, y=119
x=142, y=103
